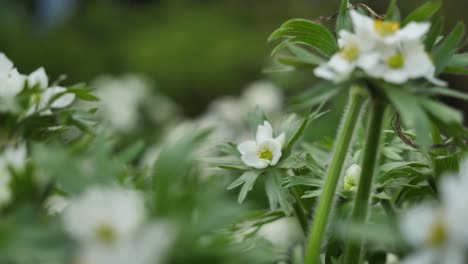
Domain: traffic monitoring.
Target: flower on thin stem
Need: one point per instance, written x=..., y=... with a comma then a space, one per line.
x=265, y=151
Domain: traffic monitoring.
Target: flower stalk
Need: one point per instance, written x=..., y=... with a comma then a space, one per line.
x=350, y=119
x=369, y=161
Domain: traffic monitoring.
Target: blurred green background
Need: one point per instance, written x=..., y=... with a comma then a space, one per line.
x=195, y=50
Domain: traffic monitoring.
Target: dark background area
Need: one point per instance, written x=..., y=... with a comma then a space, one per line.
x=194, y=50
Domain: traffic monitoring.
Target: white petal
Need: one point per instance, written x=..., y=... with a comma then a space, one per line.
x=362, y=24
x=323, y=71
x=12, y=84
x=247, y=146
x=61, y=102
x=5, y=65
x=424, y=257
x=340, y=65
x=251, y=159
x=281, y=139
x=276, y=156
x=413, y=31
x=395, y=76
x=38, y=77
x=264, y=132
x=417, y=223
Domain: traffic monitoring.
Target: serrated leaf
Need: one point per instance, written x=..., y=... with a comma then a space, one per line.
x=277, y=195
x=424, y=12
x=247, y=180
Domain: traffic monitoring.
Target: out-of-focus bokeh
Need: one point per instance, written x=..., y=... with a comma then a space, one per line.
x=193, y=50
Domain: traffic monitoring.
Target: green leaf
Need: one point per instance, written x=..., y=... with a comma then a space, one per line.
x=83, y=94
x=458, y=64
x=423, y=12
x=434, y=33
x=316, y=95
x=278, y=195
x=343, y=22
x=247, y=180
x=449, y=92
x=312, y=194
x=444, y=52
x=391, y=11
x=305, y=32
x=412, y=113
x=444, y=113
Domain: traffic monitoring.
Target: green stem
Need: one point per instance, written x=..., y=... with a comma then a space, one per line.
x=299, y=209
x=369, y=161
x=345, y=135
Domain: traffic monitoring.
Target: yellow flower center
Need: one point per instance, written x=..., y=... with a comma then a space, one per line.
x=350, y=52
x=386, y=28
x=397, y=61
x=106, y=233
x=266, y=154
x=438, y=235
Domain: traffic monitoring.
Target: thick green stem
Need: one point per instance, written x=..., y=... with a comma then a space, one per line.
x=345, y=134
x=369, y=161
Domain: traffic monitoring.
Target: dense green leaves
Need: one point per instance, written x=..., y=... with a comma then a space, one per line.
x=444, y=52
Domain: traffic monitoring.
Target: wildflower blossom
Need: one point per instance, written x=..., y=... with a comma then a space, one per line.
x=104, y=215
x=265, y=151
x=11, y=81
x=439, y=231
x=282, y=232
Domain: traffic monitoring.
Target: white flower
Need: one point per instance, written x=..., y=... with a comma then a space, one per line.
x=47, y=99
x=120, y=100
x=351, y=178
x=39, y=78
x=282, y=232
x=147, y=247
x=355, y=51
x=264, y=95
x=387, y=32
x=408, y=61
x=104, y=215
x=265, y=151
x=440, y=230
x=392, y=259
x=56, y=204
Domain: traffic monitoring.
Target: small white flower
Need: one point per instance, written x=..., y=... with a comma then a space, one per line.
x=355, y=51
x=11, y=81
x=39, y=78
x=56, y=204
x=387, y=32
x=265, y=151
x=104, y=215
x=282, y=232
x=147, y=247
x=351, y=178
x=409, y=61
x=6, y=65
x=440, y=230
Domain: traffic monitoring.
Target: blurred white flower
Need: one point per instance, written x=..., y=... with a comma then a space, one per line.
x=282, y=232
x=39, y=78
x=56, y=204
x=120, y=100
x=229, y=109
x=387, y=32
x=147, y=247
x=392, y=259
x=11, y=158
x=104, y=215
x=439, y=231
x=265, y=151
x=11, y=81
x=265, y=95
x=351, y=178
x=355, y=51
